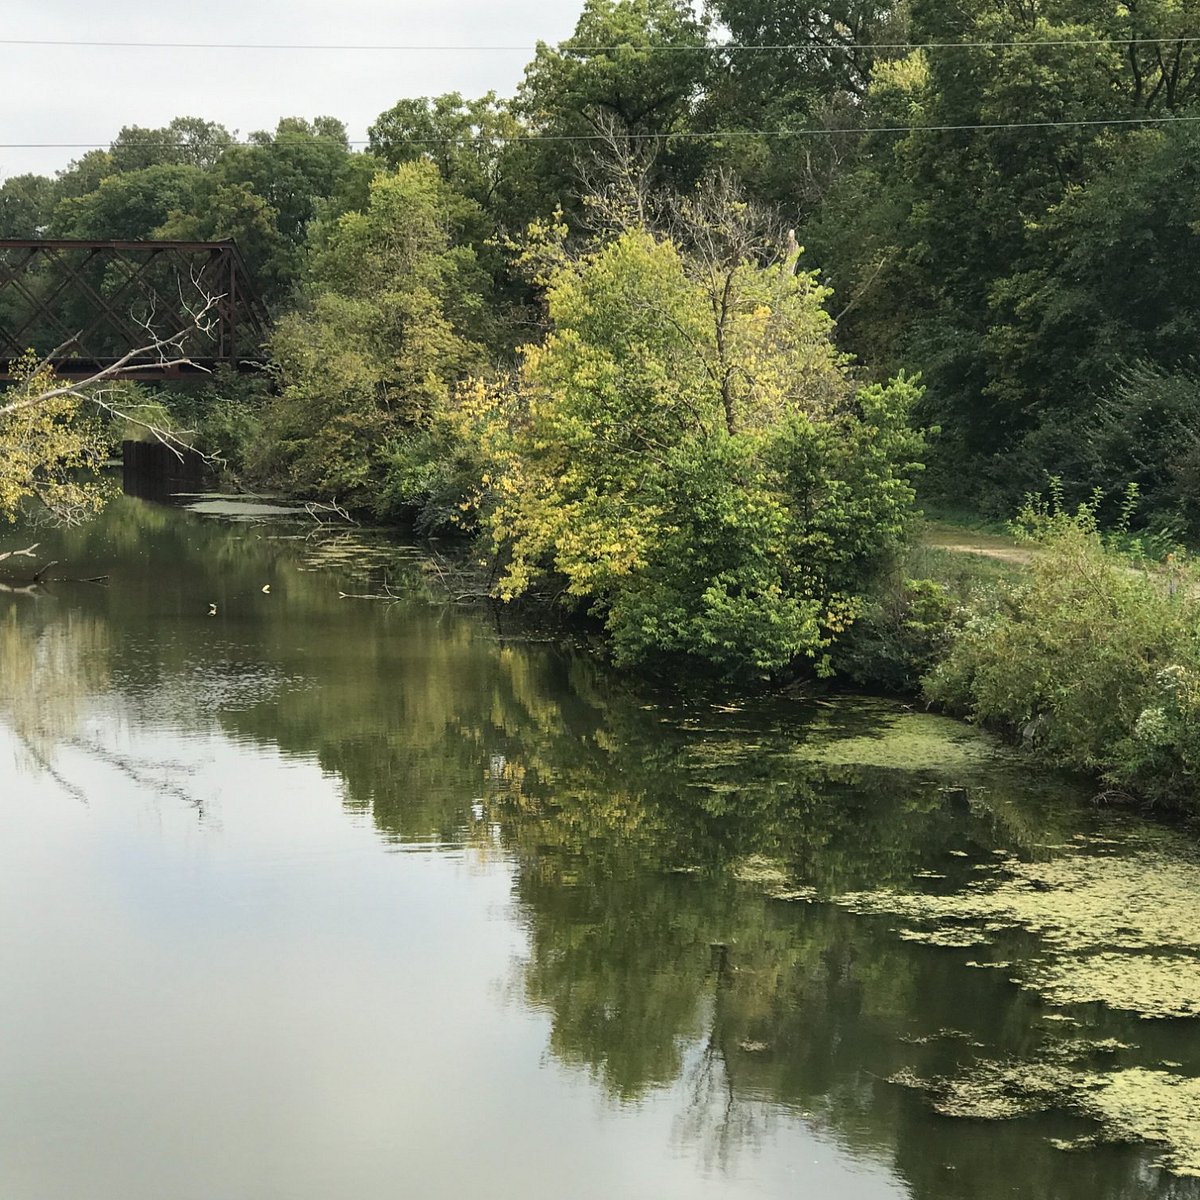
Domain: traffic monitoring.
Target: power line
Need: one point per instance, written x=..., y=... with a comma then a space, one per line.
x=717, y=135
x=695, y=48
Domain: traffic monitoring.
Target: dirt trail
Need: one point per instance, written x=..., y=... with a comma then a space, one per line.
x=971, y=541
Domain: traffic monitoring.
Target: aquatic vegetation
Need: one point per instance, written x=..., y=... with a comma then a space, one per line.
x=912, y=741
x=1147, y=984
x=945, y=937
x=1123, y=931
x=773, y=877
x=1117, y=922
x=997, y=1091
x=1134, y=1104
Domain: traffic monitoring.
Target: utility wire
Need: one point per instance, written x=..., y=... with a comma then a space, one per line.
x=719, y=135
x=566, y=47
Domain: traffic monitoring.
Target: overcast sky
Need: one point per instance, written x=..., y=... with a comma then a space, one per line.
x=85, y=95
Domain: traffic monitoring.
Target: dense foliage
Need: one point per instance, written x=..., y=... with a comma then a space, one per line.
x=52, y=440
x=706, y=476
x=647, y=404
x=369, y=357
x=1091, y=657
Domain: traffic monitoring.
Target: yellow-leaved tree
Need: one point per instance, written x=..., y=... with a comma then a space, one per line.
x=687, y=454
x=51, y=441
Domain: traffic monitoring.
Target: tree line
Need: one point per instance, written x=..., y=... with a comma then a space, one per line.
x=676, y=329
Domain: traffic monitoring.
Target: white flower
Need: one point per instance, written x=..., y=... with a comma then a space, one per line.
x=1152, y=727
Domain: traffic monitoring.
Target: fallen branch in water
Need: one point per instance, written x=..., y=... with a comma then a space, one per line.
x=316, y=509
x=386, y=594
x=38, y=578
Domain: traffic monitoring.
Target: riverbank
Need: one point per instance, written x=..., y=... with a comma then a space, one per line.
x=1089, y=655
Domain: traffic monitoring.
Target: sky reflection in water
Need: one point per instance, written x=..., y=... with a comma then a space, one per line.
x=320, y=897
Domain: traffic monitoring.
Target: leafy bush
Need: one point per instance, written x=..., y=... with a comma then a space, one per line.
x=903, y=631
x=1092, y=658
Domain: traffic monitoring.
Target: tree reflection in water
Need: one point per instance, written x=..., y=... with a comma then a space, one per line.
x=665, y=853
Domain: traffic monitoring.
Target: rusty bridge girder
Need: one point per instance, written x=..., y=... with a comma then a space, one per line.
x=84, y=305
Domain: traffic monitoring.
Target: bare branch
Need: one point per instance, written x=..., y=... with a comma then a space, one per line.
x=156, y=353
x=317, y=510
x=864, y=287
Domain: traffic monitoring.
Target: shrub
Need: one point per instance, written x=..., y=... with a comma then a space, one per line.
x=1092, y=659
x=902, y=633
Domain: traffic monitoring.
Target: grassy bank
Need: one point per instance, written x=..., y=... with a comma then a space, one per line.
x=1082, y=648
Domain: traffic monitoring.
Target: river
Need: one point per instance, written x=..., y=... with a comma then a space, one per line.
x=305, y=895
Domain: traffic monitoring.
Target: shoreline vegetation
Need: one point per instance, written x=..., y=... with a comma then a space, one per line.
x=685, y=346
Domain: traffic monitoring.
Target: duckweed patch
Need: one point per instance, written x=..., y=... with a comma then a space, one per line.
x=1117, y=922
x=1146, y=984
x=1120, y=931
x=1135, y=1104
x=773, y=877
x=908, y=742
x=945, y=937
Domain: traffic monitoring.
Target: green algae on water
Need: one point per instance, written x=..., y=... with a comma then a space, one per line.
x=959, y=936
x=1119, y=931
x=1134, y=1104
x=1117, y=923
x=773, y=877
x=908, y=741
x=1150, y=985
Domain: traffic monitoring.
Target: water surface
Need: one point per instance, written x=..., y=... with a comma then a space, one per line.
x=305, y=896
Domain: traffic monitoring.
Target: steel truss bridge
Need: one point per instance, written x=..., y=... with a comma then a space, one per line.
x=86, y=305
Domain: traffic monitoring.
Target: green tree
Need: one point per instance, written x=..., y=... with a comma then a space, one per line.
x=131, y=205
x=369, y=360
x=804, y=67
x=184, y=141
x=49, y=435
x=465, y=139
x=995, y=259
x=297, y=170
x=85, y=174
x=55, y=434
x=632, y=67
x=219, y=211
x=687, y=453
x=26, y=202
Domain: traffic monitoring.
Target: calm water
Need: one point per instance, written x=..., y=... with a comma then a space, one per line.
x=324, y=897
